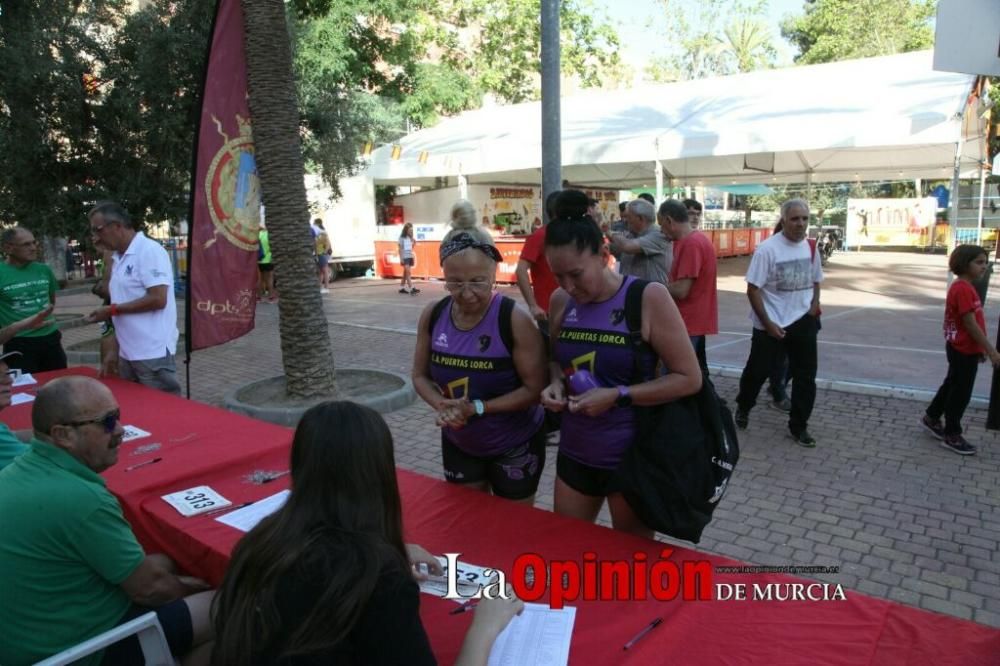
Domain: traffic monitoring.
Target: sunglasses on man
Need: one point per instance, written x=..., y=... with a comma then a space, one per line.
x=108, y=421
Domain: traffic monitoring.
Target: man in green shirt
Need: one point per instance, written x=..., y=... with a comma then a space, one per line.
x=27, y=286
x=70, y=566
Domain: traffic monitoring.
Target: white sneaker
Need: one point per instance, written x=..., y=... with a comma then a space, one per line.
x=324, y=291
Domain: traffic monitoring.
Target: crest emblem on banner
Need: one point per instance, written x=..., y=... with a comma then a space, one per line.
x=232, y=188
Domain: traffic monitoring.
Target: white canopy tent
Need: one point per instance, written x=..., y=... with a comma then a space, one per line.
x=892, y=117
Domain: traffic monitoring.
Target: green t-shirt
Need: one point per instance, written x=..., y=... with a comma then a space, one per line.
x=265, y=247
x=64, y=552
x=10, y=446
x=24, y=291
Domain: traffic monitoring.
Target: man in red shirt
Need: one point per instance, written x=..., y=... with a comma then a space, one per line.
x=538, y=289
x=692, y=276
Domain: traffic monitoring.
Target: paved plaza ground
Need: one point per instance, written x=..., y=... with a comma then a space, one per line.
x=901, y=517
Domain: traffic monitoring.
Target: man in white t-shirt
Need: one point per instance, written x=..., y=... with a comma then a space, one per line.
x=783, y=288
x=142, y=300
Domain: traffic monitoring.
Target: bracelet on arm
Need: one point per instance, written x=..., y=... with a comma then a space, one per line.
x=114, y=310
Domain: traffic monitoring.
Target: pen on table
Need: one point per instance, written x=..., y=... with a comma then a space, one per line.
x=648, y=628
x=227, y=508
x=276, y=476
x=467, y=606
x=142, y=464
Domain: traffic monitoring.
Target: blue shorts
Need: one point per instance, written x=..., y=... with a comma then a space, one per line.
x=175, y=618
x=407, y=261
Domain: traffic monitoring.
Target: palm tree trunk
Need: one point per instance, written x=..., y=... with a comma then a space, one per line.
x=306, y=353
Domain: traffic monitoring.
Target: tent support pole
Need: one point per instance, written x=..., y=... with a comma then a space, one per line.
x=463, y=186
x=551, y=123
x=982, y=200
x=953, y=213
x=659, y=180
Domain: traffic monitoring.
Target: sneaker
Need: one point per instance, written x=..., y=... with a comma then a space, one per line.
x=933, y=426
x=324, y=291
x=783, y=405
x=414, y=291
x=742, y=419
x=804, y=439
x=403, y=291
x=958, y=444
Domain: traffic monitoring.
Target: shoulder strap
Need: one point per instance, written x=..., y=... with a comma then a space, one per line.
x=506, y=319
x=506, y=322
x=633, y=319
x=633, y=307
x=436, y=314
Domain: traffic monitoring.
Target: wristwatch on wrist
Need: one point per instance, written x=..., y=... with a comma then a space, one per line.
x=624, y=398
x=479, y=406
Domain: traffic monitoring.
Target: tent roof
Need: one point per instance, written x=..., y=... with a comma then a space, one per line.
x=879, y=118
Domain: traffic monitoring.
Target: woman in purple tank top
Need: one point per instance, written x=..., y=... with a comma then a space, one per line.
x=595, y=377
x=480, y=363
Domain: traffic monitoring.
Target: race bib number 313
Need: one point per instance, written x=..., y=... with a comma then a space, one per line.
x=194, y=501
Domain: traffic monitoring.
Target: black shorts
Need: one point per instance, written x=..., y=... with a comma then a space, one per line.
x=408, y=261
x=38, y=353
x=593, y=481
x=175, y=618
x=266, y=268
x=513, y=474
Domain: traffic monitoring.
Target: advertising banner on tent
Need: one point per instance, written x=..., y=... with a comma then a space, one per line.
x=891, y=222
x=226, y=210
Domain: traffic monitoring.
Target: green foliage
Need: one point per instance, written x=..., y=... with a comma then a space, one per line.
x=97, y=104
x=833, y=30
x=497, y=43
x=146, y=118
x=714, y=38
x=98, y=101
x=47, y=105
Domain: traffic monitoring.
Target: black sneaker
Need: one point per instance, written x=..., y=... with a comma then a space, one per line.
x=933, y=427
x=414, y=291
x=403, y=291
x=804, y=439
x=958, y=444
x=742, y=419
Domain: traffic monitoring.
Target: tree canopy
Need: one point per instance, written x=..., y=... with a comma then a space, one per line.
x=831, y=30
x=97, y=99
x=714, y=38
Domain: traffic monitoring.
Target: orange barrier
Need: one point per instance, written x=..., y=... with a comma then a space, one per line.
x=727, y=243
x=426, y=263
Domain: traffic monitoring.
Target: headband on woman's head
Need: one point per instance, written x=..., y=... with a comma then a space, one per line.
x=464, y=241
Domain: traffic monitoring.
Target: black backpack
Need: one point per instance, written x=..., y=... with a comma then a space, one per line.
x=685, y=451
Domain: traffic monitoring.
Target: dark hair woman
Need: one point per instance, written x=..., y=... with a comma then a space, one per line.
x=324, y=578
x=407, y=257
x=595, y=375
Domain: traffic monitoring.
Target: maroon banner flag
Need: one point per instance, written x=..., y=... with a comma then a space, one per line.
x=225, y=218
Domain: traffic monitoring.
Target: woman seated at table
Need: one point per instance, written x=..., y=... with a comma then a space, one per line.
x=599, y=423
x=327, y=579
x=479, y=362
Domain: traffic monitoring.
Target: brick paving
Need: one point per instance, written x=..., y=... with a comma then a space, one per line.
x=902, y=518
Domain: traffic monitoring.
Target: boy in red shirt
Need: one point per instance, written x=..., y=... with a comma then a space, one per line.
x=966, y=346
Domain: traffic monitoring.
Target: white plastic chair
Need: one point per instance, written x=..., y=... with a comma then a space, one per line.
x=146, y=627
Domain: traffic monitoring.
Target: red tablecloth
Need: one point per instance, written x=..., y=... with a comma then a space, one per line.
x=203, y=445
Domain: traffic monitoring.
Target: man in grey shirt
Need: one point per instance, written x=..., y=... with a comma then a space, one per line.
x=644, y=252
